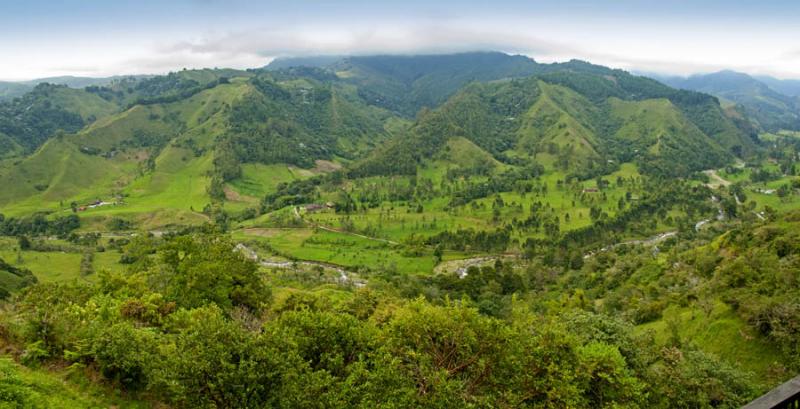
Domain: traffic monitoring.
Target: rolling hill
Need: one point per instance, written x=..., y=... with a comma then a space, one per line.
x=465, y=230
x=763, y=100
x=579, y=116
x=14, y=89
x=176, y=143
x=27, y=122
x=405, y=84
x=188, y=134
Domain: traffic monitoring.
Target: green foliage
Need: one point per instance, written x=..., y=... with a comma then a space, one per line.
x=195, y=271
x=297, y=125
x=474, y=259
x=202, y=348
x=21, y=387
x=32, y=119
x=38, y=225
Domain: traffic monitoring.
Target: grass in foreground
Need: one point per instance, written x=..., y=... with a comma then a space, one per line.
x=22, y=387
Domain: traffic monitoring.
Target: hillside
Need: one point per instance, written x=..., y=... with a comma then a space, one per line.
x=582, y=121
x=27, y=122
x=186, y=136
x=470, y=230
x=790, y=87
x=405, y=84
x=199, y=134
x=771, y=109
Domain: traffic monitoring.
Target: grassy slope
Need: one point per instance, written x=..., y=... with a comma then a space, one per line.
x=85, y=104
x=41, y=388
x=176, y=185
x=721, y=333
x=62, y=173
x=558, y=117
x=653, y=122
x=257, y=180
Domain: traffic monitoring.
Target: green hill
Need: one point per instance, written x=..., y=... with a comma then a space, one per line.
x=178, y=142
x=117, y=155
x=663, y=139
x=405, y=84
x=580, y=120
x=767, y=106
x=27, y=122
x=186, y=134
x=559, y=123
x=462, y=231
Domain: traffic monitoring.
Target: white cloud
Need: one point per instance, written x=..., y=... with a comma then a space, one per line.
x=641, y=46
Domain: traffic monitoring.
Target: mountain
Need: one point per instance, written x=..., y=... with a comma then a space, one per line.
x=177, y=139
x=580, y=117
x=10, y=89
x=172, y=144
x=27, y=122
x=404, y=84
x=786, y=87
x=770, y=109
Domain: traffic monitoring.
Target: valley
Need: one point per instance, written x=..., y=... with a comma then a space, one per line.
x=532, y=234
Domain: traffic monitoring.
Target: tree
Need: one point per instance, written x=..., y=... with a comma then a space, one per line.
x=204, y=269
x=23, y=243
x=437, y=253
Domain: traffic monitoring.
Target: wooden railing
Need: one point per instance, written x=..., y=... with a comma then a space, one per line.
x=786, y=396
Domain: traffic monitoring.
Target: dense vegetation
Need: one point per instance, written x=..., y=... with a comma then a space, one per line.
x=475, y=230
x=765, y=105
x=28, y=121
x=579, y=119
x=191, y=323
x=301, y=123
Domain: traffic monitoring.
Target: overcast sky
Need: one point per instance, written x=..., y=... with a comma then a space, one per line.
x=100, y=37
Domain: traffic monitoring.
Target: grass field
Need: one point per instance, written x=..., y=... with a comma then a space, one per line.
x=57, y=266
x=22, y=387
x=258, y=180
x=721, y=333
x=345, y=249
x=757, y=191
x=390, y=230
x=398, y=220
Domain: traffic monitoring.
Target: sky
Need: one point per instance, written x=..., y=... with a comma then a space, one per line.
x=678, y=37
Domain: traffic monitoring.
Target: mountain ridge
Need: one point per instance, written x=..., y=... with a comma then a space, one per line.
x=770, y=109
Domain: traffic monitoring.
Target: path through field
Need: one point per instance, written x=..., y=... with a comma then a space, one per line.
x=331, y=229
x=716, y=179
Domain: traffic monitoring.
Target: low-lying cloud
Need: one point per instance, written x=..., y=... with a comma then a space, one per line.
x=643, y=47
x=544, y=42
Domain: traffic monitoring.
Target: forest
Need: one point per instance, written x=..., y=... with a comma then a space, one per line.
x=471, y=230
